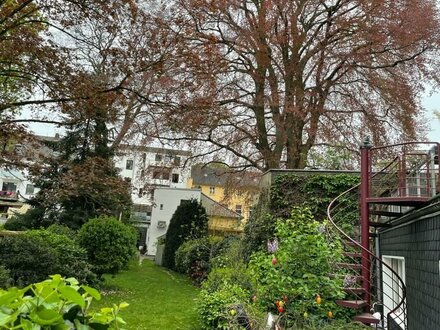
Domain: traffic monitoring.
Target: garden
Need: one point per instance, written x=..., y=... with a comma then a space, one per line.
x=277, y=275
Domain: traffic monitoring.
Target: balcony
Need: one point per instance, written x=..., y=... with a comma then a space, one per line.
x=8, y=195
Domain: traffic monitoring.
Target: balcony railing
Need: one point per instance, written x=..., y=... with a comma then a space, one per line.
x=9, y=195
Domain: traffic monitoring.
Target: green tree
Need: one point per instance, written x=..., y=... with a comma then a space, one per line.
x=189, y=221
x=81, y=181
x=109, y=243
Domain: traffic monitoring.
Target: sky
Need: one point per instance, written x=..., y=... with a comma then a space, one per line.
x=432, y=103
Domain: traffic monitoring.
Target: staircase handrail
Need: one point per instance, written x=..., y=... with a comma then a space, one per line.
x=381, y=262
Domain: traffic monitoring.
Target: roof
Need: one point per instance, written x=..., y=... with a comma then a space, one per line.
x=11, y=174
x=208, y=176
x=214, y=208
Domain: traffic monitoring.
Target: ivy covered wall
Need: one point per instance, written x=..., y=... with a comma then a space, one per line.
x=282, y=190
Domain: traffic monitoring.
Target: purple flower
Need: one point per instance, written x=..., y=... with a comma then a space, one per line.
x=349, y=281
x=272, y=246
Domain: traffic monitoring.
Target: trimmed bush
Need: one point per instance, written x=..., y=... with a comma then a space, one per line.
x=62, y=230
x=189, y=221
x=109, y=243
x=71, y=259
x=34, y=255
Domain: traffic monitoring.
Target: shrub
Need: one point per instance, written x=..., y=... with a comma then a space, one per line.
x=109, y=243
x=5, y=277
x=190, y=252
x=34, y=255
x=56, y=303
x=62, y=230
x=27, y=259
x=71, y=259
x=30, y=220
x=189, y=221
x=214, y=308
x=298, y=270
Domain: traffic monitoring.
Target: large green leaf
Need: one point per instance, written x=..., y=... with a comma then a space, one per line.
x=92, y=292
x=6, y=318
x=46, y=317
x=28, y=325
x=72, y=295
x=7, y=297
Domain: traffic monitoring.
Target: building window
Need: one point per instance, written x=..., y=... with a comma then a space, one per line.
x=129, y=164
x=30, y=189
x=9, y=186
x=168, y=158
x=392, y=288
x=211, y=190
x=238, y=209
x=177, y=161
x=175, y=178
x=158, y=157
x=161, y=207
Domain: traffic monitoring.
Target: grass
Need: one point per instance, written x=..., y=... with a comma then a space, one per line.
x=159, y=299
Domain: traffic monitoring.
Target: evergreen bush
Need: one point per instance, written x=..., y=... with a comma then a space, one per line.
x=189, y=221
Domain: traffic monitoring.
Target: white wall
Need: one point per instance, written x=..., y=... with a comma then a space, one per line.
x=166, y=201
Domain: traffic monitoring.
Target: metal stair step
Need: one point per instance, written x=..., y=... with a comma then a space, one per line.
x=386, y=213
x=352, y=254
x=354, y=304
x=348, y=265
x=379, y=224
x=366, y=318
x=350, y=243
x=354, y=290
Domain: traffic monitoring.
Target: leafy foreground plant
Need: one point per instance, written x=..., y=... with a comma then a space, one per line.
x=56, y=303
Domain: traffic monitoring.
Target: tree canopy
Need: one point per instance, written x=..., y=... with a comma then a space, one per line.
x=257, y=83
x=273, y=78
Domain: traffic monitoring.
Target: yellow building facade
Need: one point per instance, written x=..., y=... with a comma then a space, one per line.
x=236, y=191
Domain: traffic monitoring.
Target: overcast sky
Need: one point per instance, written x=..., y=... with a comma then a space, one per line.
x=431, y=104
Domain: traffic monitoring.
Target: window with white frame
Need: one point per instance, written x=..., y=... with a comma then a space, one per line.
x=211, y=190
x=30, y=189
x=393, y=292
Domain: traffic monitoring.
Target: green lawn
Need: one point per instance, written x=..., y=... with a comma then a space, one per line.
x=159, y=299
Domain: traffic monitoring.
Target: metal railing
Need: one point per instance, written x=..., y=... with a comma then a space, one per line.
x=388, y=291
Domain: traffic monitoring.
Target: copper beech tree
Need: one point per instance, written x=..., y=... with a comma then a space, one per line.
x=270, y=79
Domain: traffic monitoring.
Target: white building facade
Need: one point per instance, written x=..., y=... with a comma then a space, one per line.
x=166, y=201
x=147, y=169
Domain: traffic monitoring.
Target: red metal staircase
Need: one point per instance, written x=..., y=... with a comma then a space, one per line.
x=395, y=179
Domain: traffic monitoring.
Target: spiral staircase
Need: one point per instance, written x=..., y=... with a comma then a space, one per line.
x=395, y=180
